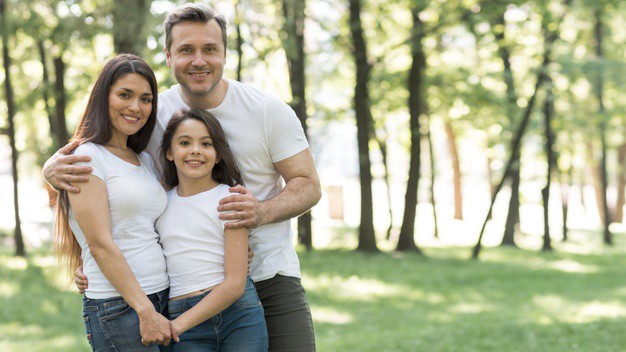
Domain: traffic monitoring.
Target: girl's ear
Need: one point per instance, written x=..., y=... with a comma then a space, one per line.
x=169, y=155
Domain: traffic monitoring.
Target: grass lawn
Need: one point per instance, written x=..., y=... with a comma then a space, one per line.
x=511, y=300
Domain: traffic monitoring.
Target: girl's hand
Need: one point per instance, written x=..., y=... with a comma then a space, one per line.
x=80, y=280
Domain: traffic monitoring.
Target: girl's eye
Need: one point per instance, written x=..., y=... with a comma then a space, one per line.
x=184, y=143
x=207, y=144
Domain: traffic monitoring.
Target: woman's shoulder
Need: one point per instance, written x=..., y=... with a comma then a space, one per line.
x=89, y=148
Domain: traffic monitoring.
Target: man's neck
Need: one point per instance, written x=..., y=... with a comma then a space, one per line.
x=207, y=101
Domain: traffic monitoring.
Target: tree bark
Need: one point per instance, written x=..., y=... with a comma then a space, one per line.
x=456, y=169
x=431, y=158
x=367, y=237
x=239, y=40
x=417, y=108
x=566, y=185
x=548, y=112
x=45, y=94
x=621, y=183
x=607, y=237
x=20, y=250
x=382, y=145
x=60, y=100
x=129, y=17
x=294, y=50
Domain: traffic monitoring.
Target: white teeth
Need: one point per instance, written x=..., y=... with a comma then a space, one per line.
x=198, y=74
x=195, y=163
x=132, y=118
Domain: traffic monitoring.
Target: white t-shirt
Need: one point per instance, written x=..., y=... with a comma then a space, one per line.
x=192, y=236
x=261, y=130
x=136, y=200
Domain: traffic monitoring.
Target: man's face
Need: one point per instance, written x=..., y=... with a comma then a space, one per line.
x=197, y=57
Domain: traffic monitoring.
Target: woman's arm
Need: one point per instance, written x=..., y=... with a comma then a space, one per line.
x=91, y=208
x=227, y=292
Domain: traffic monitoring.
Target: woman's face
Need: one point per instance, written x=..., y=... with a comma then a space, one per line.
x=130, y=104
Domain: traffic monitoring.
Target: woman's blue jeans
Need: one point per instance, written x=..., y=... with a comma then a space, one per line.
x=112, y=325
x=239, y=328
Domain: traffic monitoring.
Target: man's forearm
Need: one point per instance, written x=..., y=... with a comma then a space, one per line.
x=299, y=195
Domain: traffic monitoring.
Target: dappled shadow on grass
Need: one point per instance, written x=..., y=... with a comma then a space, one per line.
x=36, y=314
x=518, y=299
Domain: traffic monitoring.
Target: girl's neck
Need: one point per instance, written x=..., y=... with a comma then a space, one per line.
x=190, y=187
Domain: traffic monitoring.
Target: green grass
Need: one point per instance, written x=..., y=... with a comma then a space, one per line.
x=511, y=300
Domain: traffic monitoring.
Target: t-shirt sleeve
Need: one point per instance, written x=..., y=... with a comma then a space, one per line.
x=223, y=194
x=97, y=163
x=285, y=134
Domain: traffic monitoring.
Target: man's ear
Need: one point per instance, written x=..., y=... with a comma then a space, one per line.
x=168, y=57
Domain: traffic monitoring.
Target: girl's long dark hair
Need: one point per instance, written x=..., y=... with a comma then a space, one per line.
x=226, y=171
x=95, y=126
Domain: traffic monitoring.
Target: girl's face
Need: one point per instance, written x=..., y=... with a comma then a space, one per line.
x=130, y=104
x=192, y=151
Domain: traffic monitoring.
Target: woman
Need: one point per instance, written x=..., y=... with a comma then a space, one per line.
x=109, y=225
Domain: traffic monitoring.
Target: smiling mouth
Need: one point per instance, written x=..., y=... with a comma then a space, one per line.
x=198, y=74
x=195, y=162
x=131, y=119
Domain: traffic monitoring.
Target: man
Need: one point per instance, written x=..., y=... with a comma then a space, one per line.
x=268, y=142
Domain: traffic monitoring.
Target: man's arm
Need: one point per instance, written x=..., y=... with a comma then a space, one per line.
x=60, y=172
x=302, y=191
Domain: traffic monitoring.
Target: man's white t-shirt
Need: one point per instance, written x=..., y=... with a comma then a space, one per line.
x=136, y=199
x=192, y=236
x=261, y=130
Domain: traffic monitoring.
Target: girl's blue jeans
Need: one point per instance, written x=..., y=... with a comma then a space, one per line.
x=240, y=327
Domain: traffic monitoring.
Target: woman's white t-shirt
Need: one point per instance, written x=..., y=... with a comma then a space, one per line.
x=192, y=236
x=136, y=199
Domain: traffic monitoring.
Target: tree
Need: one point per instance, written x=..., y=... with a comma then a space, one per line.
x=417, y=108
x=367, y=237
x=129, y=34
x=294, y=50
x=8, y=95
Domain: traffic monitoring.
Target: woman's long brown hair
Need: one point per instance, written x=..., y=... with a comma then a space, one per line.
x=95, y=126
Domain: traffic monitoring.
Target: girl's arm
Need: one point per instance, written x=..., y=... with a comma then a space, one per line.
x=91, y=208
x=227, y=292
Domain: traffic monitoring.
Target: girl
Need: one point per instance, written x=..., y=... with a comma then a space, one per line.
x=109, y=225
x=213, y=303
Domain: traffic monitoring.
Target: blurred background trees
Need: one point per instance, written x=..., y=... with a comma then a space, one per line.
x=418, y=103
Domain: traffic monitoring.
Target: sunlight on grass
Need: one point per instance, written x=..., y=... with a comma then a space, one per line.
x=471, y=308
x=331, y=316
x=571, y=266
x=8, y=289
x=15, y=263
x=593, y=311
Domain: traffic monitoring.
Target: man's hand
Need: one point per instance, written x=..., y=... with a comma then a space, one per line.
x=154, y=328
x=80, y=280
x=59, y=170
x=242, y=209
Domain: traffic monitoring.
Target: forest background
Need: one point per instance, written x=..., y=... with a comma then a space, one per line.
x=437, y=127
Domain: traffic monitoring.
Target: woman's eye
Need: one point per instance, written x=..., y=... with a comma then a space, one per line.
x=147, y=100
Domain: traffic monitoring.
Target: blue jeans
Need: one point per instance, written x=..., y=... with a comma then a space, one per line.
x=112, y=325
x=240, y=327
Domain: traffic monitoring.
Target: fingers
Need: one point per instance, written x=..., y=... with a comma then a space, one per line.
x=234, y=198
x=239, y=224
x=73, y=158
x=68, y=147
x=68, y=187
x=238, y=189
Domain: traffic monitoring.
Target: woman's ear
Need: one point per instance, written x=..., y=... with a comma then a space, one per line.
x=169, y=155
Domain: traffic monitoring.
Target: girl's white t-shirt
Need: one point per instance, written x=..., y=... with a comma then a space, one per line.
x=192, y=236
x=136, y=199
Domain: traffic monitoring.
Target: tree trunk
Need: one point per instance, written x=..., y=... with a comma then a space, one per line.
x=45, y=94
x=513, y=217
x=367, y=237
x=60, y=100
x=431, y=158
x=129, y=19
x=294, y=50
x=599, y=94
x=20, y=250
x=417, y=108
x=239, y=40
x=621, y=183
x=548, y=112
x=382, y=145
x=566, y=185
x=515, y=145
x=456, y=169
